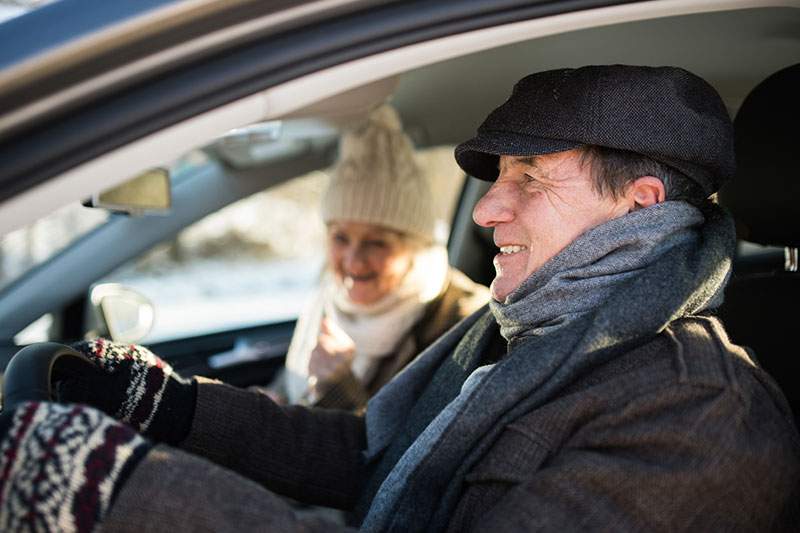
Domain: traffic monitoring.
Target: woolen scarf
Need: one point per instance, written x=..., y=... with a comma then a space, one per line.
x=614, y=287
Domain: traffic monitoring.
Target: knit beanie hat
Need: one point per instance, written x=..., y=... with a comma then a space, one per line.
x=377, y=180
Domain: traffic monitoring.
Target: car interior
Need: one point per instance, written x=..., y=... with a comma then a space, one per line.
x=757, y=311
x=442, y=102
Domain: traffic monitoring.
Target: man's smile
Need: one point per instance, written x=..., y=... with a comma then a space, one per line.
x=512, y=249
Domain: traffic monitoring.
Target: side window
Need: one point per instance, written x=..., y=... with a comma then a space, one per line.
x=446, y=179
x=256, y=261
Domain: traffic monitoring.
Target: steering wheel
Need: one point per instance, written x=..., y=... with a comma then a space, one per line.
x=29, y=374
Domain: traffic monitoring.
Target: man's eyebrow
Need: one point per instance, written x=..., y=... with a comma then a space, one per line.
x=529, y=160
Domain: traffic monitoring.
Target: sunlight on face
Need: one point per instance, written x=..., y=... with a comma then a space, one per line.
x=537, y=206
x=369, y=261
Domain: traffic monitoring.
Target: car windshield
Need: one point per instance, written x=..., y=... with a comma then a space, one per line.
x=26, y=248
x=246, y=264
x=251, y=262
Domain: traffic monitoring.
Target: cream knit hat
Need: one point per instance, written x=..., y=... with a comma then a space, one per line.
x=377, y=180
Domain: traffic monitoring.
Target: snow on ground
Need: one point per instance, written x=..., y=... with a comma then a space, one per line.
x=221, y=294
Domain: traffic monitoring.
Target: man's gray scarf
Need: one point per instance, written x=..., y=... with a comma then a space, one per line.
x=617, y=285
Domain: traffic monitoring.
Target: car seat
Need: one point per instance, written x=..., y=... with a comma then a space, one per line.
x=764, y=197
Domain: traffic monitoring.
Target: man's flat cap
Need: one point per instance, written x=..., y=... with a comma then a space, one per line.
x=665, y=113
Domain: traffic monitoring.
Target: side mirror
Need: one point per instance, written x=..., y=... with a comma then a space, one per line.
x=123, y=314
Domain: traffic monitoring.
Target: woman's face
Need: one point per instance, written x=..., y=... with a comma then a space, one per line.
x=369, y=261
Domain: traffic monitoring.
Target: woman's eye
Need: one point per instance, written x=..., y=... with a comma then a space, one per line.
x=340, y=238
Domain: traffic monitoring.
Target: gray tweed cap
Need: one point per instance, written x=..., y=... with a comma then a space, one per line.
x=665, y=113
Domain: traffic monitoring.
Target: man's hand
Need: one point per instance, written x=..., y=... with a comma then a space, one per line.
x=331, y=357
x=62, y=465
x=134, y=386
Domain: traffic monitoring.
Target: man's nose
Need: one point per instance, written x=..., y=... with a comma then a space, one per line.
x=495, y=207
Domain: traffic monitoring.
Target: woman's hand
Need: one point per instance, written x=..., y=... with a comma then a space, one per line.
x=331, y=357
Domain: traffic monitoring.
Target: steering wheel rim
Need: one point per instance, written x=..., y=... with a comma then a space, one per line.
x=28, y=376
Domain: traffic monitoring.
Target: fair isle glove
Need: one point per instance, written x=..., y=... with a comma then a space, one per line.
x=133, y=385
x=61, y=466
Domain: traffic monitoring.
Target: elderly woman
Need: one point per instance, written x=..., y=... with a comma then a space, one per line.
x=388, y=291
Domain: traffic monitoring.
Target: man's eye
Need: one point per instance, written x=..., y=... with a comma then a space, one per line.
x=339, y=238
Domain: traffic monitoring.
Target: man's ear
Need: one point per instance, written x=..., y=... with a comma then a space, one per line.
x=646, y=191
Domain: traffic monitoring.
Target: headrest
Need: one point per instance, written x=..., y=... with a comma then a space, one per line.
x=764, y=196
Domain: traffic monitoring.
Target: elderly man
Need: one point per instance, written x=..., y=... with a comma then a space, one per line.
x=596, y=392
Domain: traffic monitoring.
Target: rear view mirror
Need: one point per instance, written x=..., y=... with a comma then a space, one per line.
x=123, y=314
x=146, y=193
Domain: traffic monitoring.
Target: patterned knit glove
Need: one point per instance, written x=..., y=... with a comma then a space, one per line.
x=131, y=384
x=61, y=466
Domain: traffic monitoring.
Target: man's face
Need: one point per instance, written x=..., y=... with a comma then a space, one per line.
x=537, y=206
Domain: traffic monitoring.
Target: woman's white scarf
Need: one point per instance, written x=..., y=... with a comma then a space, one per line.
x=377, y=330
